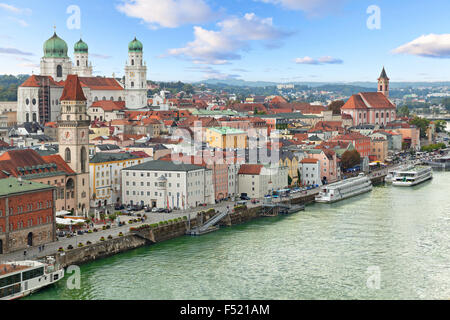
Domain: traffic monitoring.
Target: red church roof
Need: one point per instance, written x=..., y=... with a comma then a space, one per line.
x=72, y=89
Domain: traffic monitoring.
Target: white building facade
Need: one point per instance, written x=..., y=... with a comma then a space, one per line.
x=165, y=184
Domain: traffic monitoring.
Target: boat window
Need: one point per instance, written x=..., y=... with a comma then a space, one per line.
x=4, y=282
x=33, y=273
x=8, y=291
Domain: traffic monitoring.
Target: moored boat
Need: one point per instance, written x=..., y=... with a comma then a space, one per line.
x=21, y=278
x=344, y=189
x=392, y=172
x=439, y=163
x=412, y=177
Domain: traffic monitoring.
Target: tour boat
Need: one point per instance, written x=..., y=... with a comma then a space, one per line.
x=21, y=278
x=344, y=189
x=439, y=163
x=391, y=173
x=412, y=177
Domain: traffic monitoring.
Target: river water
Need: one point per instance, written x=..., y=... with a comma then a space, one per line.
x=392, y=243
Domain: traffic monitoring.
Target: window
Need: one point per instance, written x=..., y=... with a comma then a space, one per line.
x=59, y=71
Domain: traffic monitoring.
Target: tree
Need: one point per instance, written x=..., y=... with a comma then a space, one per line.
x=403, y=111
x=289, y=180
x=350, y=159
x=421, y=123
x=336, y=106
x=441, y=125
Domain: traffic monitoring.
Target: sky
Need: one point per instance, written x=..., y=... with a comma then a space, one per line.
x=255, y=40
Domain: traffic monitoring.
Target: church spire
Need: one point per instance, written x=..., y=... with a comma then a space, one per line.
x=383, y=83
x=383, y=75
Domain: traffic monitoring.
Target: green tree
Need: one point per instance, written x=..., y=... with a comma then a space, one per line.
x=289, y=180
x=336, y=106
x=403, y=111
x=422, y=124
x=350, y=159
x=441, y=125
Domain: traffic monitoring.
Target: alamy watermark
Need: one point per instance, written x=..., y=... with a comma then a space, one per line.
x=74, y=281
x=74, y=20
x=374, y=20
x=374, y=280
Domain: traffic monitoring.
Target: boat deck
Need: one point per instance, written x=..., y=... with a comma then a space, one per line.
x=10, y=268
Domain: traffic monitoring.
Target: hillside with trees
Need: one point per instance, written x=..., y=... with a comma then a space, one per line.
x=9, y=85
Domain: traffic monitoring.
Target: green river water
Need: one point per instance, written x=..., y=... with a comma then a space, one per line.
x=400, y=236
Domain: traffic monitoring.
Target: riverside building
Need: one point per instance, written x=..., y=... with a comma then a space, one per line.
x=165, y=184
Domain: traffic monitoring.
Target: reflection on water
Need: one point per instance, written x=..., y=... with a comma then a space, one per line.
x=325, y=252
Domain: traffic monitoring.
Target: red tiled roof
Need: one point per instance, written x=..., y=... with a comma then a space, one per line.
x=377, y=100
x=60, y=163
x=368, y=100
x=12, y=160
x=309, y=160
x=140, y=154
x=250, y=169
x=38, y=81
x=72, y=89
x=99, y=83
x=355, y=102
x=108, y=105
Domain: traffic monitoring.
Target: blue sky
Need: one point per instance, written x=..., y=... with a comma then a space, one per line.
x=255, y=40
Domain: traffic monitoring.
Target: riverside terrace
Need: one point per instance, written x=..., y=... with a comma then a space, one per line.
x=153, y=218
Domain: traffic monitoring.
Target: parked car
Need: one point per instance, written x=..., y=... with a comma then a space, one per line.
x=255, y=201
x=155, y=209
x=167, y=210
x=161, y=210
x=245, y=198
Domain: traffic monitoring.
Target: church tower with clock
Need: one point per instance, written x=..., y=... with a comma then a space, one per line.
x=135, y=76
x=73, y=137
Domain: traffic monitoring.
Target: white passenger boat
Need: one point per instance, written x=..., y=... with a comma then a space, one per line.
x=21, y=278
x=412, y=177
x=439, y=163
x=392, y=172
x=344, y=189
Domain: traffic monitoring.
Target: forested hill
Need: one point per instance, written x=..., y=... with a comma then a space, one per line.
x=9, y=85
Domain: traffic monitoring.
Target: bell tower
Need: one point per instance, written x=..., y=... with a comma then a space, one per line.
x=135, y=76
x=383, y=83
x=73, y=138
x=82, y=67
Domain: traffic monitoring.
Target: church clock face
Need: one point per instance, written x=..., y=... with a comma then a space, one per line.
x=132, y=74
x=83, y=136
x=66, y=136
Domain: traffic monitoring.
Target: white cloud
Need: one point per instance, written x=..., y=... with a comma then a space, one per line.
x=13, y=9
x=15, y=52
x=235, y=34
x=22, y=22
x=100, y=56
x=322, y=60
x=167, y=13
x=211, y=73
x=312, y=7
x=306, y=60
x=431, y=45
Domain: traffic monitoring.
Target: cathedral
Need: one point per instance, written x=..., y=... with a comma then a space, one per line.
x=39, y=97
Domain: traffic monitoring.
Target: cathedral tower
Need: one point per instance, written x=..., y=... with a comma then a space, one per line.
x=135, y=77
x=383, y=83
x=55, y=62
x=73, y=138
x=81, y=60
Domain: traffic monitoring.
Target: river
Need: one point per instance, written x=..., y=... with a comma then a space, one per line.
x=397, y=237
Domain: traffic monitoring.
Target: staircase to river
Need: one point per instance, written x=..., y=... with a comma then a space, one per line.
x=210, y=225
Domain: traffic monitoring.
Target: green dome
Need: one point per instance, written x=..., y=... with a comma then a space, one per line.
x=81, y=47
x=55, y=47
x=135, y=46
